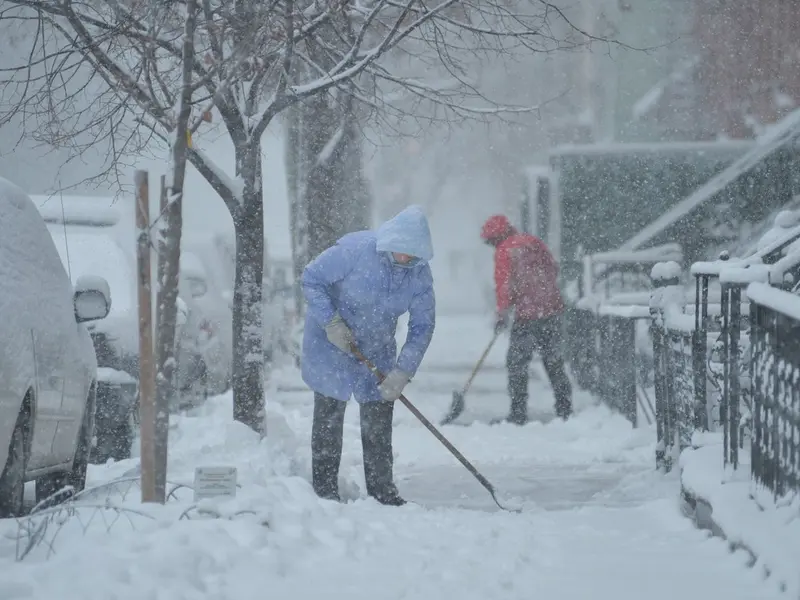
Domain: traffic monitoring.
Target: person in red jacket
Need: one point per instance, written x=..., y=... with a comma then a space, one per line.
x=525, y=276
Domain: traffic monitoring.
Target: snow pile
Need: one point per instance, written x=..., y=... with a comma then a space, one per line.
x=606, y=520
x=277, y=535
x=150, y=550
x=746, y=512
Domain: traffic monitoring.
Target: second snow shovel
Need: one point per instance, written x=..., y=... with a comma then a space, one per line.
x=457, y=405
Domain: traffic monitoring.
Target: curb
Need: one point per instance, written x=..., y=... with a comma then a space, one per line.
x=700, y=511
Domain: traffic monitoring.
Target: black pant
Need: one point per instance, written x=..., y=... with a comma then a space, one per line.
x=376, y=442
x=543, y=336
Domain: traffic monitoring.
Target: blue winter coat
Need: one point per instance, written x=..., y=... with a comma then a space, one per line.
x=358, y=278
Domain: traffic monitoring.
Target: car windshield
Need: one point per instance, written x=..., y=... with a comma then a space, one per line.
x=85, y=251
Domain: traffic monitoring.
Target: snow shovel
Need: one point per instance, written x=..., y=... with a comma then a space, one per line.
x=436, y=433
x=457, y=405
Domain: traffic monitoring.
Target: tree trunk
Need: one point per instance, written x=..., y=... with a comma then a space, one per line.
x=297, y=214
x=248, y=223
x=335, y=194
x=169, y=253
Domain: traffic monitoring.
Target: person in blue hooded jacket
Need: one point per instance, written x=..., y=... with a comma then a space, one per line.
x=355, y=292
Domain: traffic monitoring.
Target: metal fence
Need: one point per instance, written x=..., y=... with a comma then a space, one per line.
x=602, y=329
x=604, y=359
x=730, y=407
x=759, y=355
x=679, y=351
x=758, y=348
x=775, y=348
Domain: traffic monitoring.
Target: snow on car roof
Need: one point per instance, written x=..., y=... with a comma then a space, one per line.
x=97, y=211
x=34, y=290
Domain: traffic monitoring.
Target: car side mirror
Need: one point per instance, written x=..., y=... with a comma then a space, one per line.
x=92, y=299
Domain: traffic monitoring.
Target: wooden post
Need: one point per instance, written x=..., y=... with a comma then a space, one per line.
x=147, y=380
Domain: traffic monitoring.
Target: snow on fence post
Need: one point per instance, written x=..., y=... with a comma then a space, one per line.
x=673, y=337
x=147, y=374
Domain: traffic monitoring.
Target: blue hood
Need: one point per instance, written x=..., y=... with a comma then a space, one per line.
x=406, y=233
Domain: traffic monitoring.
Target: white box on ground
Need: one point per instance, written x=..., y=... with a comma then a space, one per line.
x=213, y=482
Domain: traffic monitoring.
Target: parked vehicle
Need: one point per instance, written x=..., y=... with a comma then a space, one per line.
x=207, y=340
x=116, y=339
x=48, y=369
x=92, y=236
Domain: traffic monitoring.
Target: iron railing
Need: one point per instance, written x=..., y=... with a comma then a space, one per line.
x=679, y=353
x=603, y=356
x=775, y=385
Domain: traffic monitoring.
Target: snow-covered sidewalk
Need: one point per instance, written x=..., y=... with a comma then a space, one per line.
x=745, y=513
x=599, y=521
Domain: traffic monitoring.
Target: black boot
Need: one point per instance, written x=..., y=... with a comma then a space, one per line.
x=390, y=497
x=326, y=446
x=563, y=411
x=376, y=444
x=517, y=417
x=562, y=389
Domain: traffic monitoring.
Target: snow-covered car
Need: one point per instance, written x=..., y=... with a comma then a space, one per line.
x=48, y=368
x=93, y=236
x=89, y=248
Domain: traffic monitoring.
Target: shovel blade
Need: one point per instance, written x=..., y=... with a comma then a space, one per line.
x=456, y=408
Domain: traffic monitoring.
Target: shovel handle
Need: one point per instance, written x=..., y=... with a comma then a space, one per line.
x=479, y=363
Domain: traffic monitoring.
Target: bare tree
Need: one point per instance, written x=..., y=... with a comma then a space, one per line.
x=253, y=59
x=169, y=247
x=443, y=74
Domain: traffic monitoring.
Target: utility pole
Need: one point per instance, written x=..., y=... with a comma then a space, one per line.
x=147, y=379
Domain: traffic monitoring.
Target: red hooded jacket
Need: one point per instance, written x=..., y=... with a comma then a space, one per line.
x=526, y=276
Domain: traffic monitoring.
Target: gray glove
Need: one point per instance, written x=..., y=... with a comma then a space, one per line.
x=502, y=322
x=393, y=384
x=339, y=334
